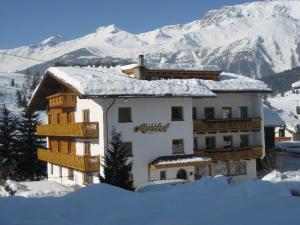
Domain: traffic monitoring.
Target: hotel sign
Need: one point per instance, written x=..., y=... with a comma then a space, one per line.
x=145, y=128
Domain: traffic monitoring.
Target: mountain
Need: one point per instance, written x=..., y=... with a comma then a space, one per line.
x=256, y=39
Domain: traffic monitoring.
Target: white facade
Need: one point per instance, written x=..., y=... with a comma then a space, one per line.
x=146, y=147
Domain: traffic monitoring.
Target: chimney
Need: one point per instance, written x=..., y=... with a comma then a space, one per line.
x=139, y=71
x=141, y=60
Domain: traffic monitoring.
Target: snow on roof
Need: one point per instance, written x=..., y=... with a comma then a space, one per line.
x=286, y=108
x=272, y=118
x=289, y=146
x=111, y=81
x=296, y=84
x=183, y=66
x=183, y=161
x=228, y=82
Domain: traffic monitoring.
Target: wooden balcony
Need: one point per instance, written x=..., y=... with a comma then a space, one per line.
x=226, y=125
x=82, y=163
x=225, y=154
x=83, y=130
x=62, y=100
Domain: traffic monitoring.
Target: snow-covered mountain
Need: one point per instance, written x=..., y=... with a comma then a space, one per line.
x=255, y=39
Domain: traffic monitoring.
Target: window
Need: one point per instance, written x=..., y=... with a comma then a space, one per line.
x=71, y=174
x=243, y=112
x=177, y=113
x=124, y=115
x=127, y=147
x=227, y=141
x=87, y=148
x=87, y=178
x=234, y=168
x=226, y=112
x=194, y=113
x=244, y=140
x=237, y=168
x=195, y=143
x=177, y=146
x=86, y=115
x=209, y=113
x=163, y=175
x=210, y=142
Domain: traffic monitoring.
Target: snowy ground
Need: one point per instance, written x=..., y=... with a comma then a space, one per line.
x=207, y=201
x=37, y=189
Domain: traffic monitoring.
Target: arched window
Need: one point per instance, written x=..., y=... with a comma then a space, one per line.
x=181, y=174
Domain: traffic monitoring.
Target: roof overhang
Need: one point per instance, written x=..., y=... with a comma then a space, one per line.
x=49, y=85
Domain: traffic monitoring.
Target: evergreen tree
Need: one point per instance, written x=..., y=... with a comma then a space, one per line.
x=7, y=142
x=28, y=166
x=117, y=170
x=12, y=83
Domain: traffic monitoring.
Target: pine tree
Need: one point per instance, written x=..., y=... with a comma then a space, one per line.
x=117, y=170
x=28, y=166
x=12, y=83
x=7, y=142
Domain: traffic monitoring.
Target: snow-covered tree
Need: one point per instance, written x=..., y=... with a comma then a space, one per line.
x=117, y=169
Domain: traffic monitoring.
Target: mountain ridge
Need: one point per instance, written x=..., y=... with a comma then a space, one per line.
x=255, y=39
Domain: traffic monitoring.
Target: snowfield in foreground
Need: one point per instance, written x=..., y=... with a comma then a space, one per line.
x=207, y=201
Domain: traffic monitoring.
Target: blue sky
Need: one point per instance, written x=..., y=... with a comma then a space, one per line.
x=24, y=22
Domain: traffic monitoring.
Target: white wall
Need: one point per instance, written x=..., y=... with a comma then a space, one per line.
x=233, y=100
x=147, y=147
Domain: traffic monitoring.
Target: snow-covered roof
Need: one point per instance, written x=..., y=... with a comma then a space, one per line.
x=272, y=118
x=181, y=66
x=286, y=108
x=111, y=81
x=178, y=160
x=289, y=146
x=296, y=85
x=106, y=82
x=229, y=82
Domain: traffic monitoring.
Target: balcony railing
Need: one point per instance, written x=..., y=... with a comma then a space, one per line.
x=225, y=154
x=84, y=130
x=223, y=125
x=82, y=163
x=62, y=100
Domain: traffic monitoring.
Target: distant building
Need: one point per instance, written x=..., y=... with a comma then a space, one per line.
x=175, y=123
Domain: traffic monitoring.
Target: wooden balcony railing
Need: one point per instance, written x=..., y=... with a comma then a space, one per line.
x=225, y=154
x=223, y=125
x=82, y=163
x=62, y=100
x=84, y=130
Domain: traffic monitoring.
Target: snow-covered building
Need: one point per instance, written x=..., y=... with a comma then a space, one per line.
x=175, y=123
